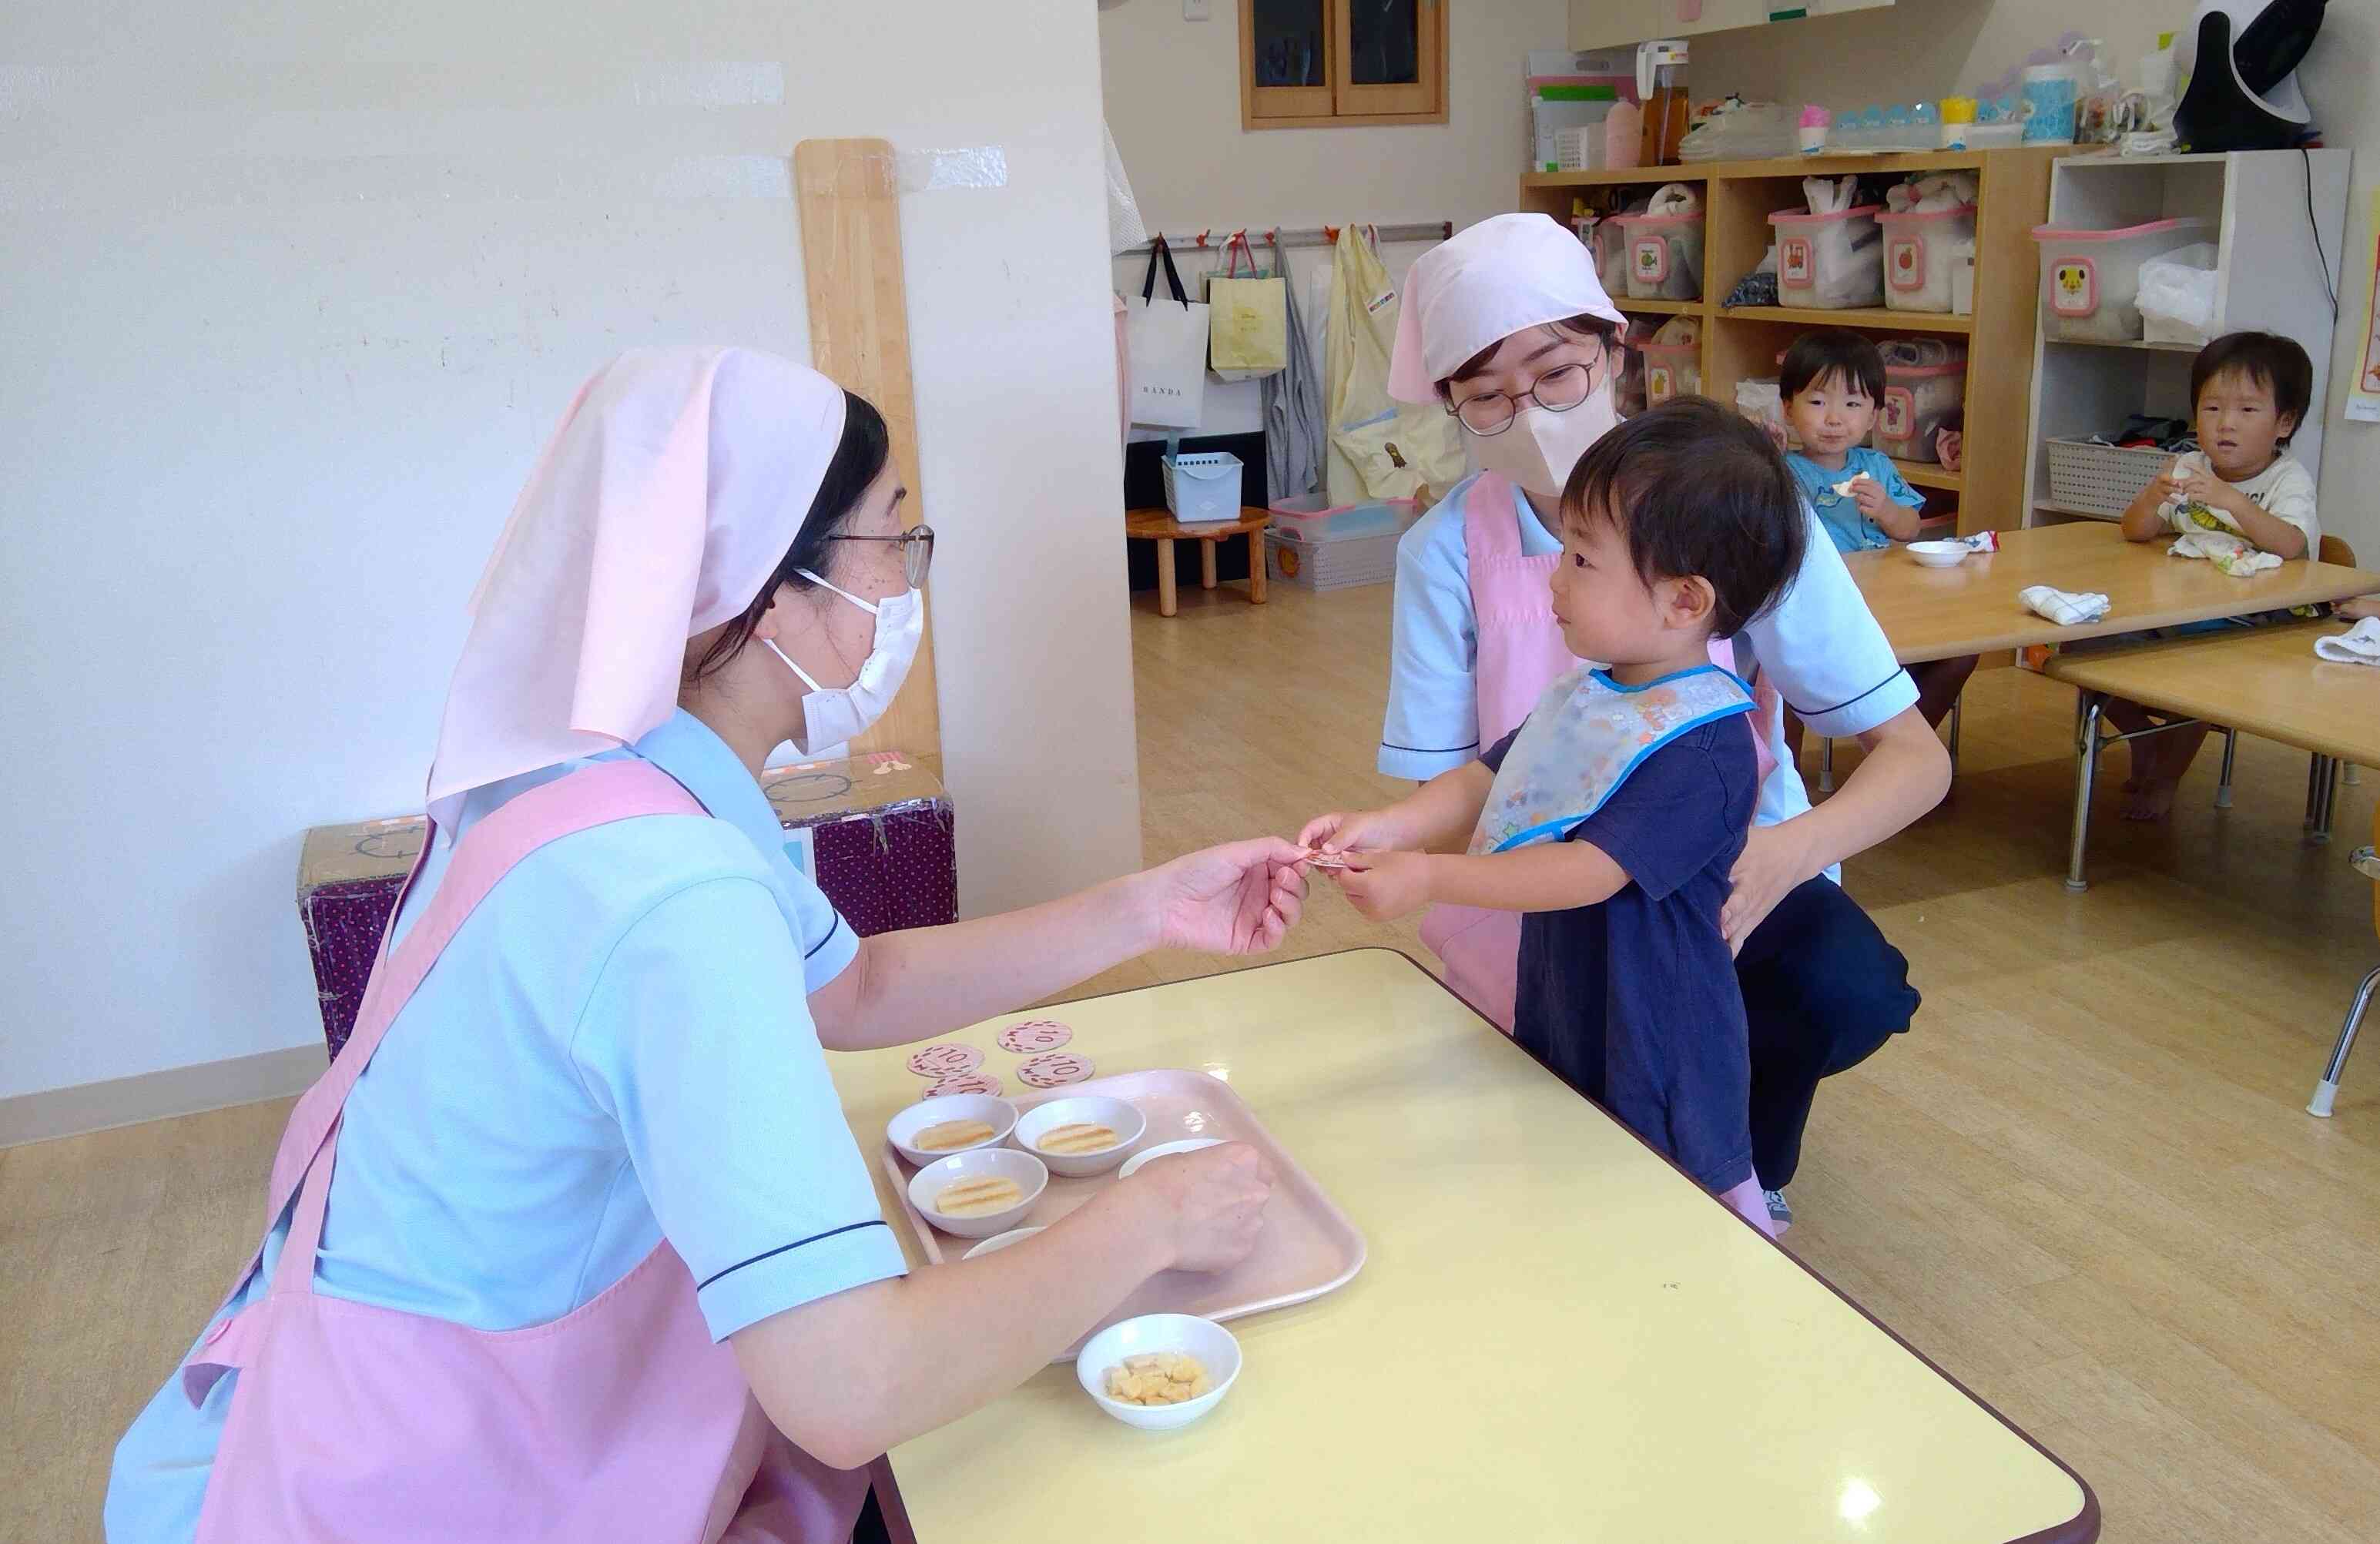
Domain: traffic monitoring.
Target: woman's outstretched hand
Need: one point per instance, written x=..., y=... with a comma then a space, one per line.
x=1239, y=898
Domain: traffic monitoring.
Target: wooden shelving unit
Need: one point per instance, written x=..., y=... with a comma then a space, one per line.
x=1742, y=344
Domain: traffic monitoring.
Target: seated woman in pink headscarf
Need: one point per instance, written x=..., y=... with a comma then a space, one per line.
x=572, y=1242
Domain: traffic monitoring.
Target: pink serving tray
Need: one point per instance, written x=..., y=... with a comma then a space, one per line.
x=1308, y=1248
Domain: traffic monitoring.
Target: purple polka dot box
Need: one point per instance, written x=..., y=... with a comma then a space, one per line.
x=876, y=832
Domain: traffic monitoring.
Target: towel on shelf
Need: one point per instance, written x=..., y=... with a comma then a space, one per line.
x=2065, y=607
x=2235, y=555
x=1674, y=198
x=1828, y=195
x=1939, y=190
x=2357, y=645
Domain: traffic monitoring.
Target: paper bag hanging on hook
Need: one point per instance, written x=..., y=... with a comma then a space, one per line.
x=1248, y=317
x=1166, y=336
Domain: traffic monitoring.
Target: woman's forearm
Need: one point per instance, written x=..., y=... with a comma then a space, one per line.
x=1905, y=773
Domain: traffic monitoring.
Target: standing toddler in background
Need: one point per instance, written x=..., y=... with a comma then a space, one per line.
x=1613, y=817
x=1832, y=383
x=2242, y=488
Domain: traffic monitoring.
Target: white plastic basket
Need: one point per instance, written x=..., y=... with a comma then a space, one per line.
x=1203, y=487
x=2093, y=479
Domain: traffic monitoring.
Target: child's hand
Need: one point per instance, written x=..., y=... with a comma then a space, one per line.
x=1361, y=831
x=1387, y=886
x=2358, y=608
x=1868, y=494
x=2195, y=485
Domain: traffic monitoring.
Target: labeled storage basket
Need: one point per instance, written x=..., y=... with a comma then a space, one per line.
x=1916, y=399
x=1672, y=370
x=1829, y=261
x=1920, y=251
x=1203, y=487
x=2092, y=478
x=1334, y=565
x=1665, y=256
x=1313, y=518
x=2091, y=279
x=1609, y=241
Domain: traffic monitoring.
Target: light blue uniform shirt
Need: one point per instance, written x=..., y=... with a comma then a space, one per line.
x=1849, y=530
x=615, y=1048
x=1818, y=646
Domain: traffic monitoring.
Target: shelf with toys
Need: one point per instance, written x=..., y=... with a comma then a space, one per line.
x=1739, y=344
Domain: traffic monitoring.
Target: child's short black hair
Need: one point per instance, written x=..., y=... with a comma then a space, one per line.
x=1697, y=489
x=1816, y=355
x=2272, y=361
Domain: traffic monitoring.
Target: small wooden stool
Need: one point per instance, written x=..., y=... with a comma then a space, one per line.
x=1159, y=526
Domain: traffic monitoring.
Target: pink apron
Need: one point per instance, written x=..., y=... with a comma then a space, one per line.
x=622, y=1419
x=1520, y=653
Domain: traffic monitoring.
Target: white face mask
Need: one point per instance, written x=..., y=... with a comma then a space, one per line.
x=832, y=715
x=1539, y=448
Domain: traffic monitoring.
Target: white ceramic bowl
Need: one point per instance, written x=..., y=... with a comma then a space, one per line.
x=1938, y=555
x=994, y=1246
x=1214, y=1346
x=1128, y=1123
x=935, y=1178
x=1164, y=1150
x=992, y=1109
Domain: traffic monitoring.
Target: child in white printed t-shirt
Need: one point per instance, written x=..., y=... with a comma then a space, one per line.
x=2250, y=392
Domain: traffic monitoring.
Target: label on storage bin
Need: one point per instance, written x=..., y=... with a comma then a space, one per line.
x=1899, y=420
x=2074, y=287
x=1652, y=258
x=1657, y=385
x=1905, y=263
x=1793, y=259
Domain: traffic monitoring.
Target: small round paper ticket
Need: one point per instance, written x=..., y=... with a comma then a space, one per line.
x=1054, y=1071
x=944, y=1061
x=965, y=1083
x=1035, y=1036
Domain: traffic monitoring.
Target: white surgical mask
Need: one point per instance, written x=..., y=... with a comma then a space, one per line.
x=832, y=715
x=1538, y=449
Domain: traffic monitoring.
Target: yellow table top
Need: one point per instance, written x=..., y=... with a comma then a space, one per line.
x=1937, y=614
x=1556, y=1333
x=2264, y=681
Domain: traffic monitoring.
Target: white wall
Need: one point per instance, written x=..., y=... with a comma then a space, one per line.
x=1173, y=94
x=282, y=340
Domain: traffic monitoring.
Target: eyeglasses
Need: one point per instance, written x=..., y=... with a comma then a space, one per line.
x=1557, y=391
x=916, y=550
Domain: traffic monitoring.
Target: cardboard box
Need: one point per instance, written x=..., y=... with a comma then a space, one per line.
x=877, y=833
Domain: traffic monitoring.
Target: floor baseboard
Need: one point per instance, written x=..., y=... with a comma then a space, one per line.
x=155, y=1096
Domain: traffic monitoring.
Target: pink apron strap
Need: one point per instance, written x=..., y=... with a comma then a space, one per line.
x=592, y=797
x=1491, y=524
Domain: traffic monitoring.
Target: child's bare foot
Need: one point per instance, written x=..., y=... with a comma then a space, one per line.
x=2153, y=801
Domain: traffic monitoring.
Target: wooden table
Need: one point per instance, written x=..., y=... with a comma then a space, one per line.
x=1938, y=613
x=1556, y=1336
x=2264, y=681
x=1160, y=527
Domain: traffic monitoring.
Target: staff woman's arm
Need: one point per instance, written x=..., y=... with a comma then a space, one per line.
x=1237, y=899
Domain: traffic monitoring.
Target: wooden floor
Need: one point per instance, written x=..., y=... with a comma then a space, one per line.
x=2084, y=1182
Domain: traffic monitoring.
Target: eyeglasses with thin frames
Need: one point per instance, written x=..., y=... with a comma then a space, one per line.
x=1557, y=391
x=916, y=550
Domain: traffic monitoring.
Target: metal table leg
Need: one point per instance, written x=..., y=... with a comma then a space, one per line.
x=2325, y=799
x=2088, y=706
x=1826, y=765
x=2327, y=1090
x=1958, y=709
x=2230, y=752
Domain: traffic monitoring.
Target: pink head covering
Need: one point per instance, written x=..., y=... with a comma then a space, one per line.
x=671, y=493
x=1488, y=281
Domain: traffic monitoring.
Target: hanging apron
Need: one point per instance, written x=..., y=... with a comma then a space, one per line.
x=1518, y=654
x=622, y=1419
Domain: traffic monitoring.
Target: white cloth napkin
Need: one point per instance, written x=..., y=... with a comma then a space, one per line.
x=2235, y=555
x=2065, y=607
x=2357, y=645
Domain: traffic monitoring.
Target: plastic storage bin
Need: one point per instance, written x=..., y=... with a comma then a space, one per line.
x=1672, y=370
x=2092, y=478
x=1609, y=240
x=1829, y=261
x=1338, y=564
x=1916, y=399
x=2091, y=279
x=1665, y=256
x=1920, y=251
x=1313, y=518
x=1203, y=487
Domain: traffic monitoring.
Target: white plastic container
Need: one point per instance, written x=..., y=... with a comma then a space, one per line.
x=2091, y=279
x=1829, y=261
x=1313, y=518
x=1916, y=399
x=1665, y=256
x=1609, y=239
x=1337, y=564
x=1203, y=487
x=1672, y=370
x=1920, y=249
x=2052, y=93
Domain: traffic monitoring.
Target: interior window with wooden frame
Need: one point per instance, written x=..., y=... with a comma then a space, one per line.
x=1321, y=64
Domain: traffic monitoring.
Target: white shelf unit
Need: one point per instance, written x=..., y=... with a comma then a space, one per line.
x=2273, y=212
